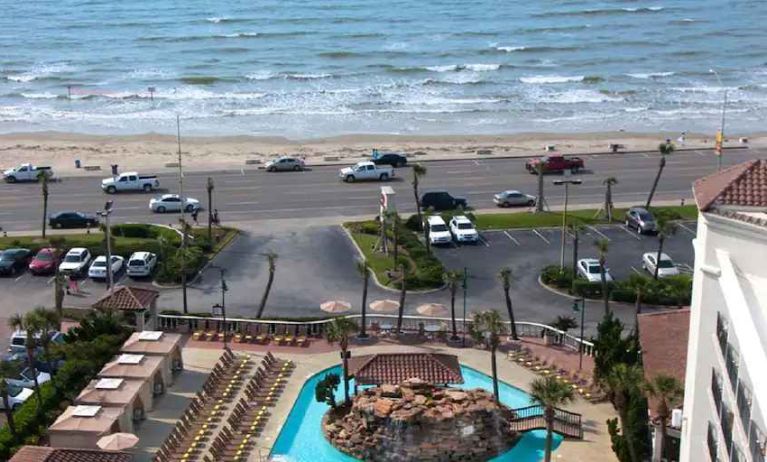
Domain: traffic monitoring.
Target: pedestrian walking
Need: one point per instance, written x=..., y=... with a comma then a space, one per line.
x=215, y=217
x=195, y=212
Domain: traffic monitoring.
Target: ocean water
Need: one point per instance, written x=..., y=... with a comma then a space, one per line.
x=311, y=68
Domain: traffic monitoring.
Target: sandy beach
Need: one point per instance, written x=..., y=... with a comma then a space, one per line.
x=154, y=153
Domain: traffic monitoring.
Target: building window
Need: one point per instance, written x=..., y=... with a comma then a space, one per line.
x=721, y=332
x=756, y=443
x=716, y=389
x=726, y=419
x=732, y=360
x=744, y=404
x=713, y=442
x=737, y=455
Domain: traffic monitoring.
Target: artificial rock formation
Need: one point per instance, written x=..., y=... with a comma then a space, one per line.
x=420, y=422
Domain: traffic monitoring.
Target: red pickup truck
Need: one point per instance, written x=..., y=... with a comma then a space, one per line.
x=555, y=164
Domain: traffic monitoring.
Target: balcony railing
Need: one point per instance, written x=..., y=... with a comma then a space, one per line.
x=727, y=420
x=716, y=389
x=721, y=332
x=756, y=443
x=744, y=404
x=732, y=361
x=713, y=442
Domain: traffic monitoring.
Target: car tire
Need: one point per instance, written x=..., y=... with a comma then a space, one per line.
x=297, y=168
x=384, y=177
x=574, y=169
x=189, y=208
x=530, y=203
x=57, y=224
x=111, y=190
x=349, y=179
x=147, y=188
x=270, y=169
x=10, y=179
x=161, y=209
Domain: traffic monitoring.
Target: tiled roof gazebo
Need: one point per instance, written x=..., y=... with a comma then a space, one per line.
x=131, y=299
x=395, y=368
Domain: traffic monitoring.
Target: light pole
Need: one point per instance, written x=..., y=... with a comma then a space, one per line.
x=465, y=288
x=210, y=187
x=219, y=309
x=567, y=184
x=582, y=309
x=105, y=214
x=720, y=136
x=183, y=216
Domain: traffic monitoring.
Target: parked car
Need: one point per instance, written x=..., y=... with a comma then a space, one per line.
x=388, y=158
x=588, y=268
x=362, y=171
x=442, y=200
x=666, y=267
x=130, y=181
x=13, y=261
x=141, y=264
x=463, y=229
x=439, y=233
x=72, y=220
x=284, y=163
x=512, y=198
x=25, y=172
x=18, y=344
x=98, y=269
x=27, y=380
x=16, y=396
x=75, y=262
x=555, y=164
x=641, y=220
x=44, y=262
x=172, y=203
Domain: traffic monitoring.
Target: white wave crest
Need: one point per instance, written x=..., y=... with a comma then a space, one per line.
x=215, y=19
x=260, y=75
x=650, y=75
x=40, y=95
x=543, y=79
x=307, y=76
x=579, y=96
x=482, y=67
x=509, y=49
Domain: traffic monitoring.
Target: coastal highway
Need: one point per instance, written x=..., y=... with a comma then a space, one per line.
x=256, y=195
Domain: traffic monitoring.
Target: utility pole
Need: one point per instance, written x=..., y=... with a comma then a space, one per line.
x=539, y=201
x=210, y=186
x=582, y=309
x=575, y=256
x=220, y=309
x=183, y=215
x=108, y=233
x=567, y=184
x=465, y=288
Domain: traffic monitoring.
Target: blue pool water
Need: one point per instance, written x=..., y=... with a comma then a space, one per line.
x=302, y=441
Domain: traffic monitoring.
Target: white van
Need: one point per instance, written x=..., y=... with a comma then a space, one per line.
x=439, y=233
x=141, y=264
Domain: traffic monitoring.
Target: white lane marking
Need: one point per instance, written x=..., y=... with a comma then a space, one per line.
x=702, y=154
x=687, y=229
x=19, y=278
x=636, y=271
x=541, y=236
x=598, y=232
x=242, y=171
x=483, y=241
x=511, y=238
x=645, y=155
x=630, y=233
x=50, y=280
x=476, y=162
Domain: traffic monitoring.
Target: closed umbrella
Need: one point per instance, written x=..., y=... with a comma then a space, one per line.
x=336, y=306
x=432, y=309
x=384, y=306
x=117, y=441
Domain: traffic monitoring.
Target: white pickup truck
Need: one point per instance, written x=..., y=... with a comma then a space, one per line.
x=362, y=171
x=25, y=172
x=130, y=181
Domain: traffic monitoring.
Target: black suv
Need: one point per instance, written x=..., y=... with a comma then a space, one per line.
x=72, y=220
x=389, y=158
x=441, y=200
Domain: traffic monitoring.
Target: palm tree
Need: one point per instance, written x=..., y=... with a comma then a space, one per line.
x=575, y=229
x=45, y=322
x=418, y=172
x=338, y=330
x=271, y=258
x=490, y=325
x=44, y=176
x=609, y=182
x=640, y=283
x=564, y=323
x=363, y=268
x=59, y=280
x=402, y=292
x=664, y=149
x=665, y=229
x=19, y=322
x=505, y=276
x=622, y=383
x=8, y=369
x=551, y=394
x=667, y=391
x=539, y=200
x=453, y=280
x=602, y=247
x=393, y=218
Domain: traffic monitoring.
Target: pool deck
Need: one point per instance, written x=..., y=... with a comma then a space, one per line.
x=594, y=447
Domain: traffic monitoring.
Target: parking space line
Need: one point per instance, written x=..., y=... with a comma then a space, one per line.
x=687, y=229
x=645, y=155
x=483, y=241
x=702, y=154
x=50, y=280
x=541, y=236
x=630, y=233
x=636, y=271
x=511, y=238
x=604, y=236
x=18, y=278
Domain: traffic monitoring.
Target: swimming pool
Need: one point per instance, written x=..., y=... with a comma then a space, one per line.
x=301, y=439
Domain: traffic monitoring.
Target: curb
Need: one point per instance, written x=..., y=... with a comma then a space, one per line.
x=572, y=297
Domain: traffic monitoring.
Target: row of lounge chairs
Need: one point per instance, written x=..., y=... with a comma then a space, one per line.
x=284, y=336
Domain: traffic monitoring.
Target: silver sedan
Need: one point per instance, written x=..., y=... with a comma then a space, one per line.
x=512, y=198
x=172, y=203
x=283, y=164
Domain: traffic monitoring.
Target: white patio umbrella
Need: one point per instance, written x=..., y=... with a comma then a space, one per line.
x=336, y=306
x=384, y=306
x=117, y=441
x=432, y=309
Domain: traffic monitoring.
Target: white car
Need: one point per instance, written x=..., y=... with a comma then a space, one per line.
x=589, y=269
x=75, y=261
x=463, y=229
x=512, y=198
x=98, y=269
x=665, y=268
x=172, y=203
x=26, y=380
x=130, y=181
x=439, y=233
x=141, y=264
x=16, y=396
x=362, y=171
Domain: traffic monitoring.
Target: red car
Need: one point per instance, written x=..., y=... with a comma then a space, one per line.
x=45, y=262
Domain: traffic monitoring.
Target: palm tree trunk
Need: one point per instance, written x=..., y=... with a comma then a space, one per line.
x=33, y=369
x=494, y=366
x=539, y=199
x=402, y=292
x=344, y=352
x=366, y=276
x=417, y=200
x=609, y=203
x=605, y=295
x=657, y=178
x=511, y=313
x=627, y=435
x=657, y=257
x=453, y=289
x=47, y=352
x=266, y=294
x=395, y=233
x=549, y=434
x=8, y=411
x=45, y=211
x=58, y=296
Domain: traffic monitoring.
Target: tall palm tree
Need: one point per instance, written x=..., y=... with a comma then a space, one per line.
x=271, y=259
x=8, y=369
x=505, y=276
x=393, y=218
x=402, y=292
x=45, y=322
x=419, y=171
x=666, y=391
x=363, y=268
x=19, y=322
x=575, y=229
x=453, y=280
x=640, y=284
x=491, y=326
x=551, y=394
x=339, y=330
x=664, y=149
x=602, y=248
x=210, y=186
x=539, y=200
x=59, y=281
x=665, y=229
x=609, y=182
x=43, y=176
x=622, y=383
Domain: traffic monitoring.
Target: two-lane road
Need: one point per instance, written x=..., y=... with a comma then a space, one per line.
x=258, y=195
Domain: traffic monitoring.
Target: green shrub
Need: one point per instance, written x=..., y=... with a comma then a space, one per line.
x=145, y=231
x=554, y=275
x=29, y=423
x=586, y=289
x=190, y=259
x=413, y=224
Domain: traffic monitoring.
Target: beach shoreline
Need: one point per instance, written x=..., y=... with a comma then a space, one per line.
x=156, y=153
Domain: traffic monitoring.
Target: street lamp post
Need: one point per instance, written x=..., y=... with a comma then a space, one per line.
x=582, y=309
x=108, y=233
x=567, y=184
x=219, y=309
x=465, y=287
x=720, y=137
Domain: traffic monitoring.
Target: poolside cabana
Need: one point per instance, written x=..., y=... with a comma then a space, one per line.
x=139, y=367
x=156, y=343
x=82, y=426
x=135, y=395
x=396, y=368
x=137, y=301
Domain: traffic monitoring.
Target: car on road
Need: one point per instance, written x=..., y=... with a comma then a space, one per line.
x=284, y=164
x=555, y=163
x=141, y=264
x=172, y=203
x=442, y=200
x=130, y=181
x=72, y=219
x=27, y=380
x=75, y=262
x=14, y=261
x=513, y=198
x=588, y=268
x=666, y=267
x=366, y=171
x=388, y=158
x=641, y=220
x=44, y=262
x=463, y=229
x=98, y=269
x=26, y=172
x=439, y=233
x=16, y=396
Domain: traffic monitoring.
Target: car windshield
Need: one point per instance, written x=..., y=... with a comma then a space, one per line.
x=5, y=256
x=14, y=391
x=100, y=263
x=136, y=263
x=666, y=264
x=72, y=259
x=594, y=269
x=438, y=228
x=645, y=216
x=465, y=226
x=44, y=256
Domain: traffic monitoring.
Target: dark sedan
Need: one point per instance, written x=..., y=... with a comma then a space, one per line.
x=72, y=220
x=389, y=158
x=13, y=261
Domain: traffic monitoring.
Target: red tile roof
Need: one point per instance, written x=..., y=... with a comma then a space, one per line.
x=127, y=298
x=47, y=454
x=742, y=185
x=395, y=368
